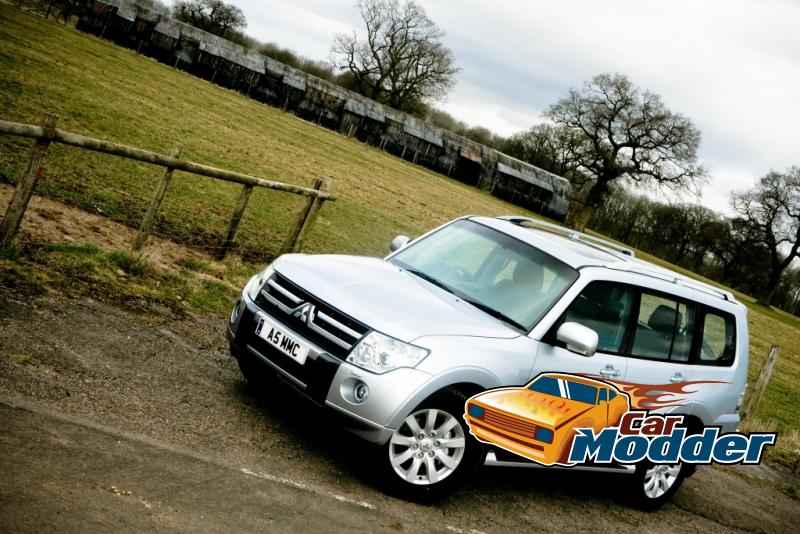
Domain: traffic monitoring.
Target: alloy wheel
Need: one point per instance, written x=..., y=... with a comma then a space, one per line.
x=659, y=478
x=428, y=447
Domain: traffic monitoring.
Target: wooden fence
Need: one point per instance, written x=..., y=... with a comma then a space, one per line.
x=47, y=133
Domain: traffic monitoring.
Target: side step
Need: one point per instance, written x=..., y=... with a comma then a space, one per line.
x=493, y=461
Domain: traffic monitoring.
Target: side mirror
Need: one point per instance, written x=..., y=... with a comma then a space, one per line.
x=579, y=339
x=399, y=242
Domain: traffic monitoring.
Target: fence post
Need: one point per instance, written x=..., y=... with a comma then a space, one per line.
x=9, y=226
x=761, y=382
x=303, y=220
x=149, y=220
x=235, y=220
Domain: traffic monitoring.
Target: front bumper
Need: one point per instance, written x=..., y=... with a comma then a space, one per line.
x=325, y=379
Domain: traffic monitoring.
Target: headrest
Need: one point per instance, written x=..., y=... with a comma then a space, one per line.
x=663, y=319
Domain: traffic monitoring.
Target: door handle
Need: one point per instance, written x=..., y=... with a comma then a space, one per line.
x=677, y=377
x=609, y=371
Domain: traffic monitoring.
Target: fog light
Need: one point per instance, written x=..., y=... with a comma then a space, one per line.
x=361, y=392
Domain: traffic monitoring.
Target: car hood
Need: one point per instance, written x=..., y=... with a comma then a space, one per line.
x=387, y=298
x=539, y=408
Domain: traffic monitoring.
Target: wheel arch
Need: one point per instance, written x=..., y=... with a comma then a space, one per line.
x=466, y=381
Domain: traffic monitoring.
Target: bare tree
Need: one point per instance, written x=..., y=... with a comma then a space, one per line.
x=552, y=148
x=213, y=16
x=772, y=209
x=401, y=60
x=627, y=135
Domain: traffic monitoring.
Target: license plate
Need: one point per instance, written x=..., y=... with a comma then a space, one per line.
x=282, y=341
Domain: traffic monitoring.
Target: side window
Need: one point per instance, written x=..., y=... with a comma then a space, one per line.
x=611, y=394
x=663, y=329
x=604, y=307
x=603, y=395
x=717, y=345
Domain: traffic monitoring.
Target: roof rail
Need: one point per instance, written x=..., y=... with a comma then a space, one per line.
x=673, y=277
x=570, y=233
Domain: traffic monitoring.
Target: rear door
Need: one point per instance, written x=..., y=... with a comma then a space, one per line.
x=716, y=374
x=660, y=347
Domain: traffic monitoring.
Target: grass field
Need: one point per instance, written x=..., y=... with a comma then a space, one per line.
x=112, y=93
x=103, y=90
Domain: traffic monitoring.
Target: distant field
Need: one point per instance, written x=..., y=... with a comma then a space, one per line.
x=103, y=90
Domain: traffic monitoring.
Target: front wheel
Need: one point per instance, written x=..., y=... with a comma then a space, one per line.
x=432, y=452
x=654, y=484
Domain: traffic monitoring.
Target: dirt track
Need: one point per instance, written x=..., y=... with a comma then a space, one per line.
x=167, y=380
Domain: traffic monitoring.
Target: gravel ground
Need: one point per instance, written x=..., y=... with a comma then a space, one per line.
x=170, y=379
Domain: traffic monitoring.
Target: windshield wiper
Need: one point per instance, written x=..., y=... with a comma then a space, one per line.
x=432, y=280
x=494, y=313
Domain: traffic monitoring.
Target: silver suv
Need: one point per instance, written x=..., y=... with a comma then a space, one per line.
x=395, y=346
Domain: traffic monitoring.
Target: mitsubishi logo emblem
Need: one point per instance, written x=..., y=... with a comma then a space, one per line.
x=304, y=312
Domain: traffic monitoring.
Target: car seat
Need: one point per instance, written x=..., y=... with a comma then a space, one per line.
x=654, y=339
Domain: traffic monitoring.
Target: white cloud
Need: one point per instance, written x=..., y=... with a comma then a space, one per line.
x=733, y=67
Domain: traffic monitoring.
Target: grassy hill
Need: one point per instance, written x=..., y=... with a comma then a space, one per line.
x=106, y=91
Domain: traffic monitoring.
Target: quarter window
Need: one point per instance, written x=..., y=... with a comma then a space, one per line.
x=717, y=345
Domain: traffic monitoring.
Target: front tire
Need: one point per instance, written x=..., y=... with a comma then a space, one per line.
x=432, y=453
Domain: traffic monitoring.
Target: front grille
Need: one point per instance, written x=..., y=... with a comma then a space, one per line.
x=506, y=422
x=321, y=323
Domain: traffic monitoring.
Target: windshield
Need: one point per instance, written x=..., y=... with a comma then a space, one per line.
x=566, y=389
x=505, y=277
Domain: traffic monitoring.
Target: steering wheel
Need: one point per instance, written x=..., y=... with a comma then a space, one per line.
x=462, y=274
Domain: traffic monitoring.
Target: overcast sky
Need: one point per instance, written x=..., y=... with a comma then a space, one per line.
x=732, y=66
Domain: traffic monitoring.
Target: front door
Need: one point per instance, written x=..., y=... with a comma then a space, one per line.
x=605, y=307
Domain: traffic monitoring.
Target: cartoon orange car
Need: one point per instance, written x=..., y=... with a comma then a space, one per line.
x=538, y=421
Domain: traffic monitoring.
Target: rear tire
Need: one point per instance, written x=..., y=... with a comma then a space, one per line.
x=432, y=454
x=652, y=485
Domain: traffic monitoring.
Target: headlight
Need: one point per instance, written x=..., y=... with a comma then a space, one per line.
x=257, y=282
x=475, y=411
x=379, y=353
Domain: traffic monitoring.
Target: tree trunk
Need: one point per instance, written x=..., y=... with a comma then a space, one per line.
x=772, y=285
x=583, y=212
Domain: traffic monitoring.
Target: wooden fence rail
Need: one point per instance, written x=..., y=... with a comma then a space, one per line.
x=47, y=133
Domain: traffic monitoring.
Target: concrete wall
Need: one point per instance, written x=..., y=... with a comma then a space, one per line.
x=231, y=65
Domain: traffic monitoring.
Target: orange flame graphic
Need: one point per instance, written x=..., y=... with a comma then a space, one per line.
x=655, y=396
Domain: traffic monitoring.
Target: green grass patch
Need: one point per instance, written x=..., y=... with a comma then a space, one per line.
x=25, y=359
x=213, y=296
x=126, y=279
